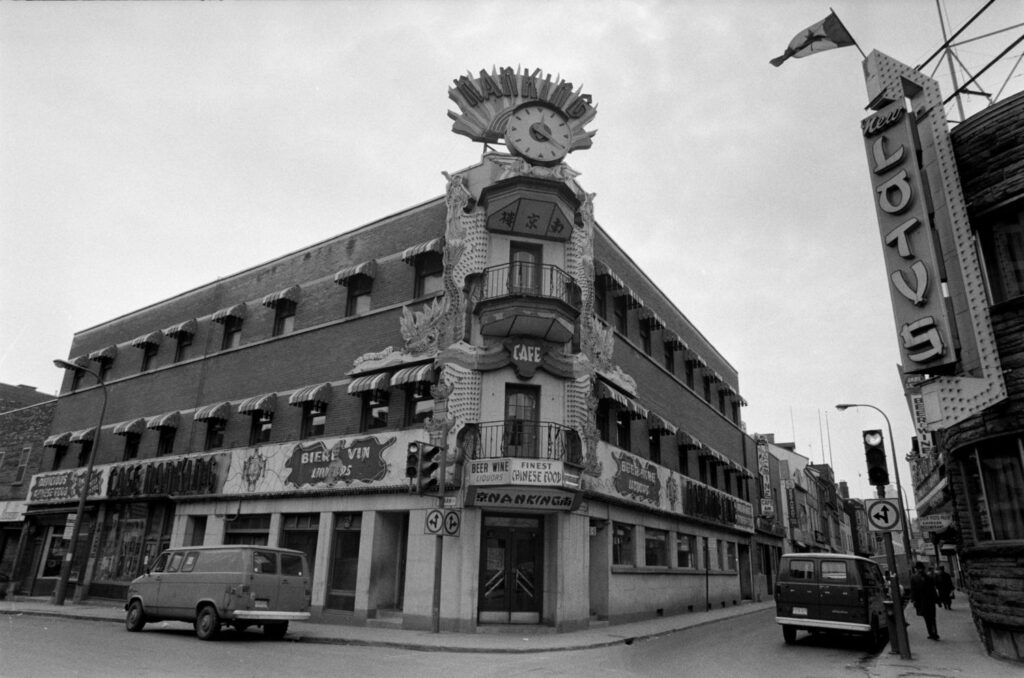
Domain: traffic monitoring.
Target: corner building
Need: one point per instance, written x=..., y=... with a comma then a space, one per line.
x=596, y=468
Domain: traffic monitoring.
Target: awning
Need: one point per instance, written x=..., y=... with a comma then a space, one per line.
x=632, y=300
x=237, y=311
x=367, y=268
x=317, y=393
x=413, y=375
x=373, y=382
x=263, y=403
x=684, y=439
x=696, y=360
x=187, y=328
x=713, y=377
x=658, y=425
x=651, y=319
x=740, y=399
x=613, y=282
x=58, y=440
x=291, y=294
x=134, y=427
x=410, y=253
x=104, y=355
x=636, y=411
x=153, y=338
x=673, y=340
x=219, y=411
x=169, y=420
x=83, y=436
x=714, y=455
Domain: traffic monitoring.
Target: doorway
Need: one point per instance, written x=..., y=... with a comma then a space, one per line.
x=522, y=411
x=511, y=570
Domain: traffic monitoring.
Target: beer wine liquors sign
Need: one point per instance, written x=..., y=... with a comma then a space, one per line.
x=911, y=258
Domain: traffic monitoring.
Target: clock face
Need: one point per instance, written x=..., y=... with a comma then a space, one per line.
x=539, y=134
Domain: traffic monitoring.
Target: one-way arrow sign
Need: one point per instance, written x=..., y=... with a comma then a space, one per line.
x=883, y=515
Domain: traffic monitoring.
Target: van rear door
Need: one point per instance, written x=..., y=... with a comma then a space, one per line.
x=841, y=600
x=799, y=589
x=264, y=580
x=294, y=583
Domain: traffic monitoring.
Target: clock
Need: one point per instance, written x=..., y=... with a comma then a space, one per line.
x=539, y=134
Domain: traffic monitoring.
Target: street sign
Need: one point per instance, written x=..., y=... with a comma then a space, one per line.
x=883, y=515
x=452, y=523
x=935, y=522
x=442, y=522
x=434, y=522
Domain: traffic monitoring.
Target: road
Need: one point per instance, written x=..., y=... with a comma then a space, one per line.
x=750, y=645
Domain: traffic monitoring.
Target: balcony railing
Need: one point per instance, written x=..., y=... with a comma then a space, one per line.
x=529, y=439
x=522, y=279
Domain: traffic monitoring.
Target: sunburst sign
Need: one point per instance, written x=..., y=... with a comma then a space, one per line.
x=487, y=103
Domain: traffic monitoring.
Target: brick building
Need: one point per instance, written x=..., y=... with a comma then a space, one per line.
x=596, y=466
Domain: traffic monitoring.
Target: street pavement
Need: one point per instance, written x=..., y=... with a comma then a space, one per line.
x=959, y=653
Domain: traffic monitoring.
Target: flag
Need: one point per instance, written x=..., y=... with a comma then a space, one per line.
x=829, y=33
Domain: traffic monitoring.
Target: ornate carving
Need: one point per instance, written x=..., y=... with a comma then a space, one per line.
x=421, y=329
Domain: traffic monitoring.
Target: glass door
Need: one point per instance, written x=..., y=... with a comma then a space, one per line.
x=524, y=269
x=511, y=570
x=521, y=420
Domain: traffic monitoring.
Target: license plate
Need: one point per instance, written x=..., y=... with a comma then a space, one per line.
x=800, y=611
x=262, y=604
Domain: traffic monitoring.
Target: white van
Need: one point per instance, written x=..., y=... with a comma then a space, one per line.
x=210, y=586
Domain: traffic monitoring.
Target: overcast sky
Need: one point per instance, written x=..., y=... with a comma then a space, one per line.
x=149, y=148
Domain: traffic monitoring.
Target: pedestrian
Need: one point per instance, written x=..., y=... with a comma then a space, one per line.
x=944, y=587
x=924, y=597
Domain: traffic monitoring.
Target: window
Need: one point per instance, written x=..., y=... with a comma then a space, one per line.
x=260, y=427
x=359, y=287
x=735, y=412
x=801, y=569
x=58, y=456
x=655, y=548
x=181, y=346
x=264, y=562
x=645, y=337
x=622, y=433
x=314, y=419
x=707, y=389
x=419, y=403
x=84, y=451
x=149, y=352
x=730, y=556
x=600, y=300
x=232, y=333
x=247, y=530
x=714, y=554
x=76, y=379
x=702, y=470
x=834, y=570
x=670, y=358
x=375, y=410
x=619, y=309
x=524, y=268
x=429, y=272
x=994, y=475
x=215, y=434
x=604, y=420
x=195, y=531
x=623, y=549
x=1002, y=247
x=190, y=561
x=174, y=564
x=689, y=374
x=291, y=565
x=19, y=473
x=284, y=317
x=686, y=550
x=654, y=446
x=721, y=402
x=131, y=446
x=165, y=445
x=104, y=368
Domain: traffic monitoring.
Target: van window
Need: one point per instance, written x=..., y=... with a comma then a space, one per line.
x=291, y=565
x=160, y=563
x=834, y=570
x=801, y=569
x=264, y=562
x=190, y=561
x=226, y=560
x=175, y=562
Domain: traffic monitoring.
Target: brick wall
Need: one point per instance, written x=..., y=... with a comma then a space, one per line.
x=21, y=428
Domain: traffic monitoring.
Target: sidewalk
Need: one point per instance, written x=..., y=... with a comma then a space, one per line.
x=959, y=654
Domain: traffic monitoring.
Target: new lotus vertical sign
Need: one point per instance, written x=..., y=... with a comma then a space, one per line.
x=922, y=320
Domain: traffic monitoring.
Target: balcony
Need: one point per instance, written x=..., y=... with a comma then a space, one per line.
x=529, y=439
x=526, y=300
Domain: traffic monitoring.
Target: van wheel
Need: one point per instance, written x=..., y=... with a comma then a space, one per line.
x=873, y=638
x=789, y=634
x=207, y=623
x=135, y=619
x=276, y=630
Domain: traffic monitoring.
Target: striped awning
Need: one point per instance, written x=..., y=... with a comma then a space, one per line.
x=612, y=281
x=632, y=299
x=58, y=440
x=713, y=377
x=656, y=424
x=263, y=403
x=714, y=455
x=652, y=319
x=153, y=338
x=740, y=399
x=168, y=420
x=636, y=411
x=697, y=360
x=413, y=375
x=133, y=427
x=317, y=393
x=291, y=294
x=684, y=439
x=104, y=355
x=367, y=268
x=372, y=382
x=236, y=311
x=219, y=411
x=410, y=253
x=83, y=436
x=672, y=339
x=187, y=328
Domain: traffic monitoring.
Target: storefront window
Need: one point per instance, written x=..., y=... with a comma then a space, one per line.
x=341, y=594
x=248, y=530
x=623, y=551
x=994, y=474
x=655, y=548
x=686, y=548
x=131, y=536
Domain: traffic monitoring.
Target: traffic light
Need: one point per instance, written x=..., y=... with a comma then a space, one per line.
x=430, y=462
x=874, y=453
x=412, y=466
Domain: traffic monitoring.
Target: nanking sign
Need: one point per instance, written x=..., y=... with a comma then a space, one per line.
x=911, y=259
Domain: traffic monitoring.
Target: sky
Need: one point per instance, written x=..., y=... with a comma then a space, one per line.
x=150, y=148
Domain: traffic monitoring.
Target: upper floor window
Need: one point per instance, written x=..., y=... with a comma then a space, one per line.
x=215, y=429
x=419, y=403
x=59, y=453
x=165, y=444
x=670, y=357
x=654, y=446
x=149, y=352
x=429, y=274
x=645, y=337
x=284, y=317
x=622, y=432
x=690, y=374
x=619, y=308
x=600, y=299
x=524, y=268
x=1002, y=245
x=232, y=337
x=131, y=446
x=359, y=288
x=76, y=379
x=260, y=427
x=181, y=347
x=375, y=410
x=707, y=389
x=84, y=451
x=314, y=419
x=104, y=368
x=721, y=402
x=19, y=474
x=994, y=475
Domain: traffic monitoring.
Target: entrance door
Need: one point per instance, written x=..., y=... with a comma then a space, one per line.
x=511, y=570
x=521, y=415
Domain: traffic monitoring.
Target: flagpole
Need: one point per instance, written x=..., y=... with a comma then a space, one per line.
x=855, y=44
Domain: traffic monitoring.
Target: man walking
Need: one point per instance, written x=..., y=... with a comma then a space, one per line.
x=944, y=587
x=924, y=597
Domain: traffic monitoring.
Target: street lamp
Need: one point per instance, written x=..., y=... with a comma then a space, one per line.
x=60, y=592
x=901, y=629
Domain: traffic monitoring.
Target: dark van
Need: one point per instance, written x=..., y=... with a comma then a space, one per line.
x=211, y=586
x=831, y=592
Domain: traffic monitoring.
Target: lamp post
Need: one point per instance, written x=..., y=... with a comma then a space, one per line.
x=901, y=630
x=60, y=592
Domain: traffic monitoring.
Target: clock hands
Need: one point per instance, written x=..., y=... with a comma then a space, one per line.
x=541, y=132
